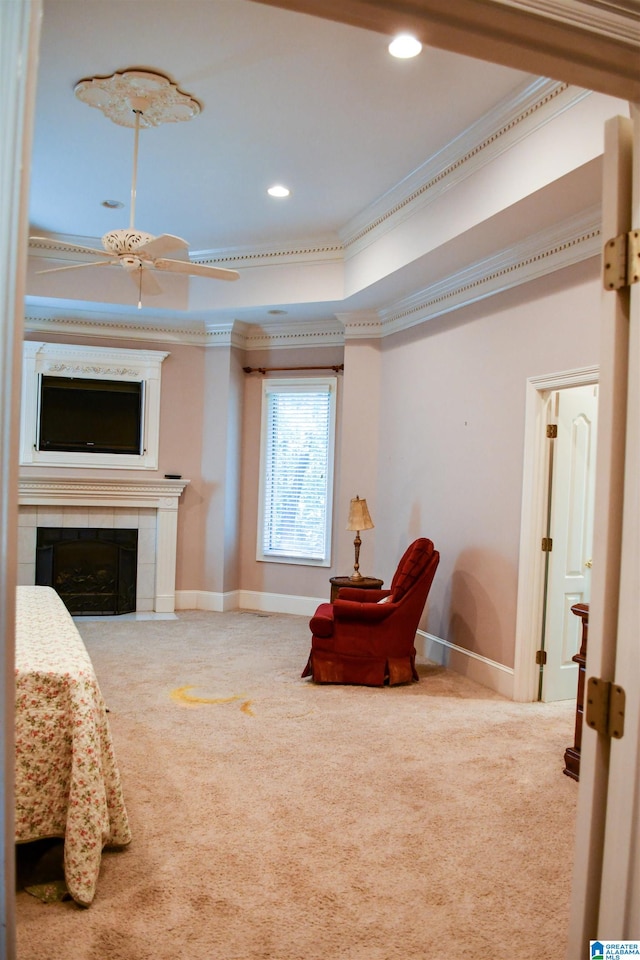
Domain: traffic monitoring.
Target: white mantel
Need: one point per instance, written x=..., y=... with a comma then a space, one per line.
x=159, y=495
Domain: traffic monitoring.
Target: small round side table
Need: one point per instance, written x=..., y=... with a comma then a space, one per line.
x=365, y=583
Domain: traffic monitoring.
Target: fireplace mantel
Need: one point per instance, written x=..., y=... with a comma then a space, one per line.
x=161, y=495
x=79, y=491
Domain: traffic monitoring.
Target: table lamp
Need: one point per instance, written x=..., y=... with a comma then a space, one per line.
x=359, y=519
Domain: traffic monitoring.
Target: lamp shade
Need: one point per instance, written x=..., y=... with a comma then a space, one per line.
x=359, y=516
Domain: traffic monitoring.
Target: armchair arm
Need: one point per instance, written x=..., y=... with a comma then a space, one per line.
x=364, y=612
x=362, y=596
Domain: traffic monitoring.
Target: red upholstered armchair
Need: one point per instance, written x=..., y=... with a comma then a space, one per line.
x=358, y=639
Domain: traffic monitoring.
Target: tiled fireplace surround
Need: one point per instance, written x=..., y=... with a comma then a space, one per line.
x=150, y=506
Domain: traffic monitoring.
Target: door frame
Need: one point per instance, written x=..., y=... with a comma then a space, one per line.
x=535, y=494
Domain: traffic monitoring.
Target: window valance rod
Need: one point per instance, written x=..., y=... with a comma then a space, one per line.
x=336, y=368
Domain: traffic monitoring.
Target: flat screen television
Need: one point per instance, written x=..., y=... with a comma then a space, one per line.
x=92, y=416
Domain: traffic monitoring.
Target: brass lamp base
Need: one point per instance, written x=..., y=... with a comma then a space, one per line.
x=356, y=575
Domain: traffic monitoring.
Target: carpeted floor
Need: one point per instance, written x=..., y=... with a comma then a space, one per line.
x=274, y=819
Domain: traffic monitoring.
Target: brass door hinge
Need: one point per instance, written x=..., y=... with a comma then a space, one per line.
x=622, y=261
x=541, y=657
x=552, y=431
x=547, y=545
x=605, y=704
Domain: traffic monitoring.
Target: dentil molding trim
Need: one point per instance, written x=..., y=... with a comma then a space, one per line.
x=87, y=323
x=511, y=121
x=564, y=244
x=312, y=251
x=567, y=243
x=316, y=250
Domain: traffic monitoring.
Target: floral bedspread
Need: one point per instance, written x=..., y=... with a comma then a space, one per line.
x=67, y=780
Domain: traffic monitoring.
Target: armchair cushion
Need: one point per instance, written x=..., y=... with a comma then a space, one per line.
x=411, y=567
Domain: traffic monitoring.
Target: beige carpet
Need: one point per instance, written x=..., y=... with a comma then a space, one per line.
x=274, y=819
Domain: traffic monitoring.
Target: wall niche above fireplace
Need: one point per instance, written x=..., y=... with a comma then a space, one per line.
x=90, y=406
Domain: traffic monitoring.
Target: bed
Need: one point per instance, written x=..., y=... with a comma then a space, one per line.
x=67, y=779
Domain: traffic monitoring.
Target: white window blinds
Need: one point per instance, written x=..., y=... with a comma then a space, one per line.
x=298, y=430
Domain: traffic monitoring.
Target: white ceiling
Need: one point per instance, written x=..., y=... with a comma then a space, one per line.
x=285, y=97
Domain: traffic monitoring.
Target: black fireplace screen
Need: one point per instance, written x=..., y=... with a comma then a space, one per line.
x=93, y=570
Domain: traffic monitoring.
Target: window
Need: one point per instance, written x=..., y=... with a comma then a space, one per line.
x=296, y=470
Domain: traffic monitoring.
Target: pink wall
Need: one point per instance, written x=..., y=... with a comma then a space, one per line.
x=358, y=451
x=221, y=439
x=451, y=442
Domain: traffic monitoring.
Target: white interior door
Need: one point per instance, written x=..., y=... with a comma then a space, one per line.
x=571, y=531
x=606, y=880
x=619, y=912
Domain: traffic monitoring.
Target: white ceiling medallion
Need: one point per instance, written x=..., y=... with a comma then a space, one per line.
x=118, y=95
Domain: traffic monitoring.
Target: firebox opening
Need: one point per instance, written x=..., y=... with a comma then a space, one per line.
x=94, y=570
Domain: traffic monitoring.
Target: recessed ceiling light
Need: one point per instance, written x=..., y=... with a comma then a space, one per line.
x=278, y=191
x=113, y=204
x=404, y=46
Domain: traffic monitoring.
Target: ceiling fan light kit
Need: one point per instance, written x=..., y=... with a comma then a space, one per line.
x=140, y=98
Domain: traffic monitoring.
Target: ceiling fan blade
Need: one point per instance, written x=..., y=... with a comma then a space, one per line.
x=166, y=243
x=78, y=266
x=48, y=241
x=150, y=285
x=145, y=282
x=196, y=269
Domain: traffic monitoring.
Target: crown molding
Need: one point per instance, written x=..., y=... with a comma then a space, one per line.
x=84, y=323
x=572, y=241
x=515, y=118
x=323, y=249
x=326, y=333
x=231, y=334
x=263, y=255
x=564, y=244
x=616, y=19
x=62, y=246
x=361, y=325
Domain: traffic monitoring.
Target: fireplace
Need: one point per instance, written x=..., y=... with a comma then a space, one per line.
x=148, y=507
x=93, y=570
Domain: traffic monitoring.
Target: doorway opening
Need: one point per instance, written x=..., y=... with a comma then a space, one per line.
x=532, y=622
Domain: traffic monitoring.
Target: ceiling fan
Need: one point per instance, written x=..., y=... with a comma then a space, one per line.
x=137, y=252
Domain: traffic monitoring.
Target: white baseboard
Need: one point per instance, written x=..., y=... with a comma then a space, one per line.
x=247, y=600
x=206, y=600
x=487, y=672
x=279, y=603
